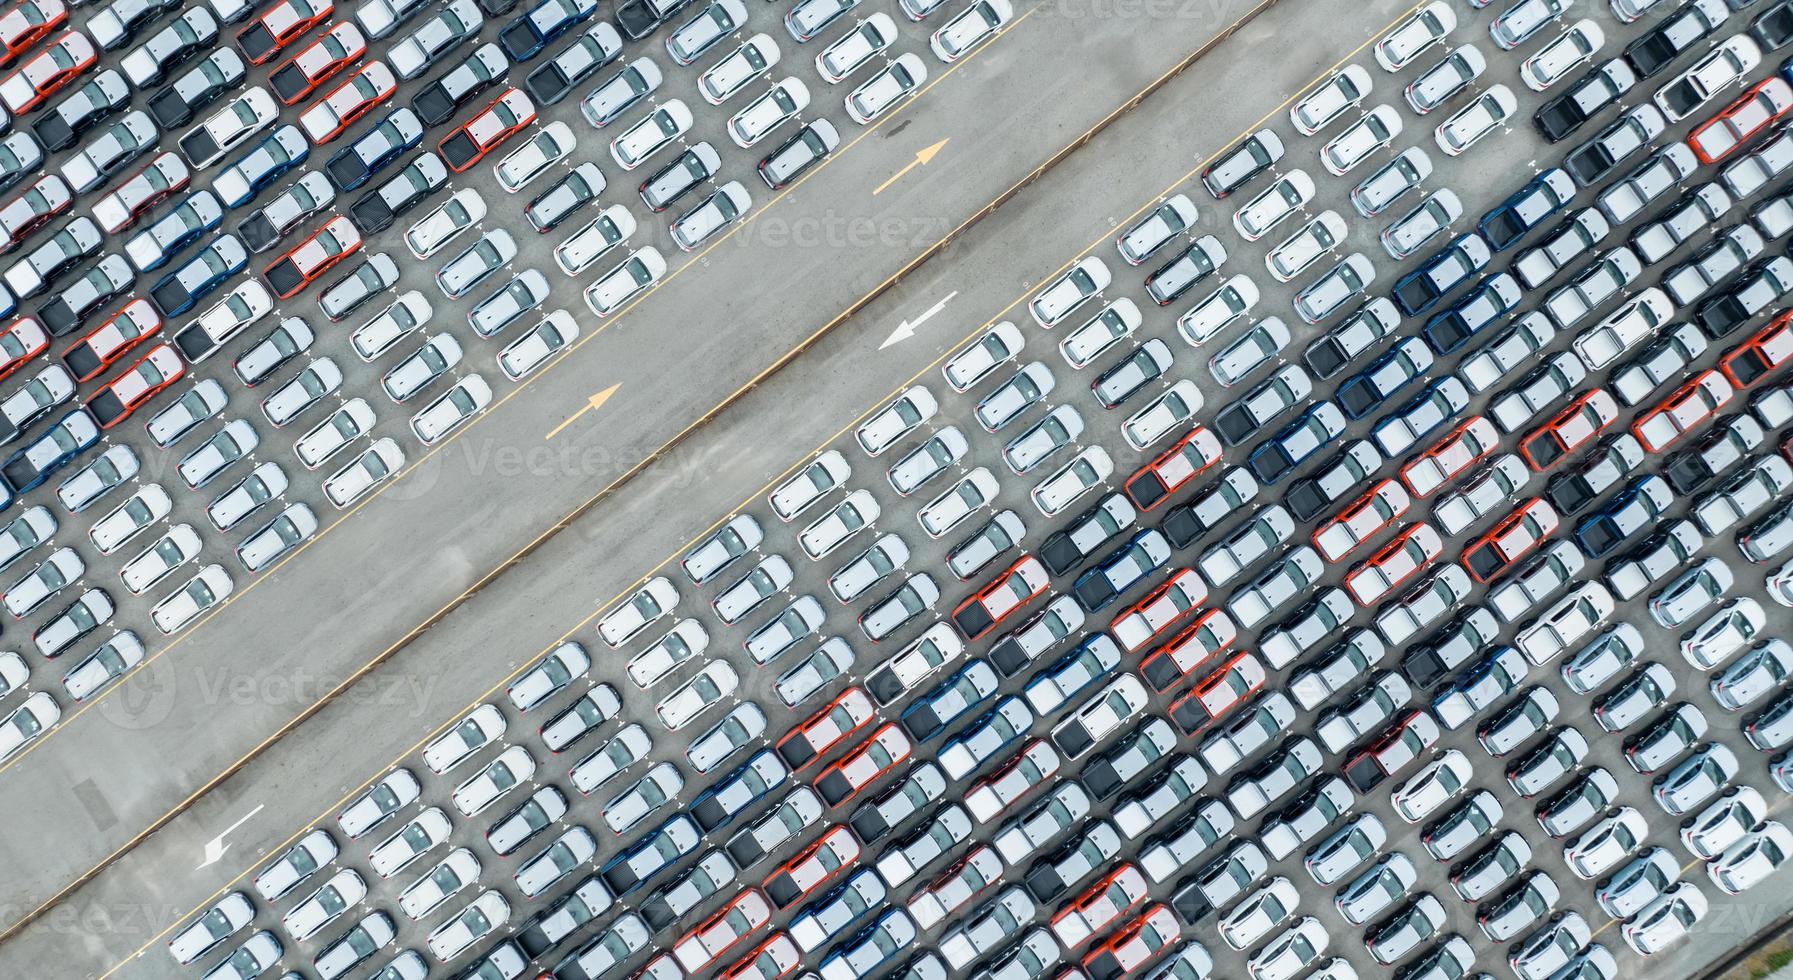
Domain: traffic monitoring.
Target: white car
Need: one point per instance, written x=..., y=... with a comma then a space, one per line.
x=1665, y=921
x=1082, y=473
x=775, y=107
x=1469, y=125
x=236, y=121
x=533, y=349
x=334, y=433
x=628, y=279
x=558, y=668
x=411, y=841
x=1284, y=197
x=481, y=916
x=594, y=239
x=716, y=681
x=1424, y=28
x=374, y=464
x=896, y=81
x=467, y=398
x=809, y=485
x=658, y=129
x=1553, y=62
x=716, y=211
x=444, y=222
x=1726, y=65
x=1331, y=99
x=386, y=328
x=436, y=357
x=1752, y=858
x=719, y=82
x=1294, y=254
x=335, y=896
x=26, y=722
x=1373, y=131
x=971, y=27
x=1162, y=415
x=548, y=146
x=104, y=473
x=1069, y=290
x=909, y=411
x=857, y=48
x=454, y=872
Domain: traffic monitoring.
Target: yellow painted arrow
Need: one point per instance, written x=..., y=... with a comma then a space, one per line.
x=592, y=404
x=922, y=156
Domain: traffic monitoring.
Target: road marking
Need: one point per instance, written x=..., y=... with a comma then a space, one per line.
x=752, y=383
x=592, y=404
x=906, y=329
x=215, y=848
x=922, y=157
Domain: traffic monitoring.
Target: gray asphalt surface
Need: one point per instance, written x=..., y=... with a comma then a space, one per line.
x=398, y=700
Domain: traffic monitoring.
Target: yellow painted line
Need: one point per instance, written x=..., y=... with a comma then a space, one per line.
x=768, y=485
x=922, y=157
x=592, y=404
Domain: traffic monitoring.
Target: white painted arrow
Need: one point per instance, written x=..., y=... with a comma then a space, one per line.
x=215, y=848
x=906, y=329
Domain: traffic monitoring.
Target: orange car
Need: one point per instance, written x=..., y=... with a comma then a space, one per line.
x=336, y=240
x=775, y=958
x=1018, y=585
x=876, y=756
x=47, y=72
x=1690, y=406
x=1398, y=561
x=90, y=356
x=335, y=50
x=370, y=85
x=1218, y=693
x=21, y=342
x=26, y=24
x=140, y=382
x=1513, y=538
x=1472, y=439
x=812, y=867
x=1142, y=622
x=1572, y=428
x=1212, y=632
x=1738, y=123
x=732, y=923
x=826, y=728
x=1365, y=517
x=1134, y=945
x=1185, y=460
x=497, y=122
x=281, y=25
x=1771, y=347
x=1100, y=906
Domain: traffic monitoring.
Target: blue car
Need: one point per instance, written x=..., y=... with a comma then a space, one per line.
x=178, y=291
x=871, y=948
x=1441, y=401
x=1122, y=569
x=738, y=790
x=1369, y=389
x=1451, y=266
x=351, y=166
x=1491, y=300
x=656, y=851
x=1072, y=674
x=1530, y=206
x=1632, y=510
x=193, y=216
x=277, y=153
x=64, y=440
x=928, y=717
x=1298, y=441
x=525, y=37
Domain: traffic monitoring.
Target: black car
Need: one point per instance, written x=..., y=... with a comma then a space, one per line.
x=377, y=210
x=82, y=298
x=99, y=97
x=1253, y=155
x=351, y=166
x=687, y=171
x=1187, y=523
x=1451, y=266
x=1773, y=28
x=792, y=158
x=1730, y=440
x=474, y=74
x=595, y=47
x=1594, y=474
x=176, y=104
x=1755, y=289
x=1187, y=268
x=1678, y=32
x=574, y=190
x=1090, y=530
x=374, y=275
x=639, y=18
x=551, y=926
x=1585, y=98
x=268, y=224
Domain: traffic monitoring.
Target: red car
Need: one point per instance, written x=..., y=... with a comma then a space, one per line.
x=1513, y=538
x=28, y=23
x=1572, y=428
x=316, y=62
x=1771, y=347
x=732, y=923
x=156, y=370
x=1185, y=460
x=47, y=197
x=1398, y=561
x=840, y=782
x=1212, y=632
x=826, y=728
x=1393, y=750
x=1691, y=404
x=1142, y=622
x=1218, y=693
x=48, y=71
x=1364, y=518
x=90, y=356
x=370, y=85
x=775, y=958
x=1014, y=588
x=1736, y=124
x=1134, y=945
x=1100, y=906
x=1472, y=439
x=281, y=25
x=812, y=867
x=21, y=342
x=146, y=188
x=466, y=146
x=311, y=258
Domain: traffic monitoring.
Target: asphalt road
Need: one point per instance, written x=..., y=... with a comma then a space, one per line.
x=404, y=698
